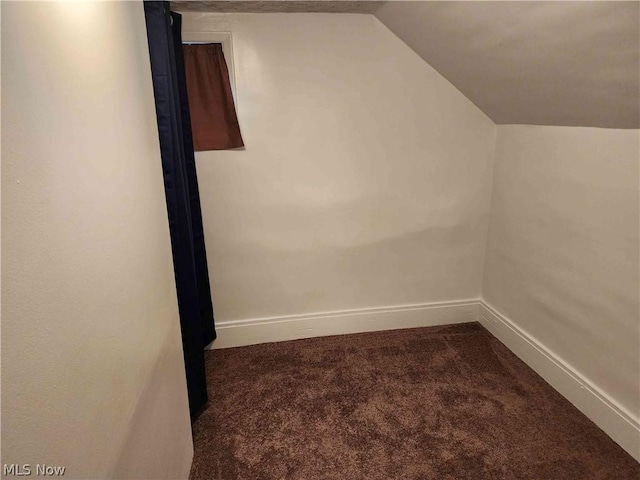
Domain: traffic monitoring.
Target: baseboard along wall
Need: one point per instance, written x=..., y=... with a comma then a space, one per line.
x=277, y=329
x=614, y=420
x=622, y=426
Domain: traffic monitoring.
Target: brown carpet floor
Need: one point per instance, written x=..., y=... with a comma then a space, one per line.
x=429, y=403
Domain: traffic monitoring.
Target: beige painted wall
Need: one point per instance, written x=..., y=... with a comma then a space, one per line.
x=365, y=179
x=92, y=368
x=562, y=257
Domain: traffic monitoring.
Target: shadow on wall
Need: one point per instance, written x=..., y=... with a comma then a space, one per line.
x=261, y=277
x=163, y=396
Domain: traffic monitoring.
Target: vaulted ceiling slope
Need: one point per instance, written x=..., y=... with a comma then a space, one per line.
x=574, y=63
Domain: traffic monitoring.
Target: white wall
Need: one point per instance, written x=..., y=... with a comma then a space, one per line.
x=562, y=257
x=92, y=369
x=365, y=180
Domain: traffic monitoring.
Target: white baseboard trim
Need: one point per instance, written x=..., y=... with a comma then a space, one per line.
x=605, y=412
x=277, y=329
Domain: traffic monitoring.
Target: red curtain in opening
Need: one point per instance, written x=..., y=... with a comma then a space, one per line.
x=214, y=122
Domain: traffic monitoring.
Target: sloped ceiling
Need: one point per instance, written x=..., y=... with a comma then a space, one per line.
x=543, y=63
x=574, y=63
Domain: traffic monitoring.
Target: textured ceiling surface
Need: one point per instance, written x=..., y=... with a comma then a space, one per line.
x=542, y=63
x=274, y=6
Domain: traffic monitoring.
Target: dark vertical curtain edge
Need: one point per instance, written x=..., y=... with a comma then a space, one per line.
x=182, y=197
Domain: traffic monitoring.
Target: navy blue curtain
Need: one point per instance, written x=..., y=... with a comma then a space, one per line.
x=183, y=199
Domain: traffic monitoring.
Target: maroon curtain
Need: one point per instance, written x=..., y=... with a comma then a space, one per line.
x=213, y=115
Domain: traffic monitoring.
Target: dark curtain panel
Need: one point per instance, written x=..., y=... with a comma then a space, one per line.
x=213, y=114
x=183, y=198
